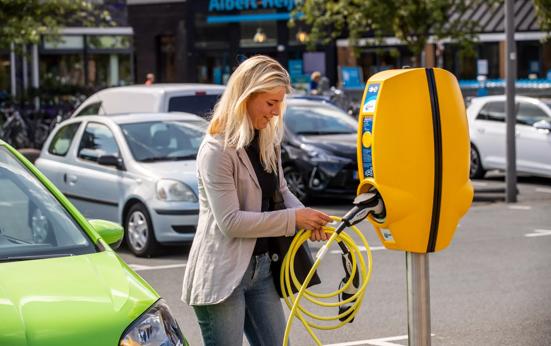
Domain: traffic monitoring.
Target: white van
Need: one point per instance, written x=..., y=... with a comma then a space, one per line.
x=157, y=98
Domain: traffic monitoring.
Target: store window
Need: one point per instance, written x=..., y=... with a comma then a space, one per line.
x=106, y=70
x=166, y=56
x=64, y=42
x=373, y=60
x=62, y=69
x=298, y=34
x=489, y=51
x=210, y=35
x=109, y=42
x=460, y=64
x=95, y=61
x=109, y=60
x=529, y=62
x=5, y=76
x=258, y=34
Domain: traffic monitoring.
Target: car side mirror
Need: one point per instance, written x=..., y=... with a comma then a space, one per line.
x=112, y=233
x=543, y=125
x=111, y=160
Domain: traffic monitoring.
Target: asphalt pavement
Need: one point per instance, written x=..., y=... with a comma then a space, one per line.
x=491, y=286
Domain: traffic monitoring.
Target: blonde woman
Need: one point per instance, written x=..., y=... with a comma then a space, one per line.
x=228, y=280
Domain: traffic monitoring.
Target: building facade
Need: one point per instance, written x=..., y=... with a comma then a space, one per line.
x=82, y=59
x=203, y=40
x=533, y=54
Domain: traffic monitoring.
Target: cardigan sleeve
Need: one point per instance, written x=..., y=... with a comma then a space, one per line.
x=216, y=171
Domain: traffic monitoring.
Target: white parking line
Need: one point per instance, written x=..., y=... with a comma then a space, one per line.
x=544, y=190
x=375, y=342
x=479, y=183
x=520, y=207
x=539, y=233
x=362, y=248
x=140, y=267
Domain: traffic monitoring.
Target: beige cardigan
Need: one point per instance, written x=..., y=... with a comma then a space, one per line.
x=229, y=222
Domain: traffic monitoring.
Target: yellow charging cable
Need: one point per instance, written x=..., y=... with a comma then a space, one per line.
x=288, y=278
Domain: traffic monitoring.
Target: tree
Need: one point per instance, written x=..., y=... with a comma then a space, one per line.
x=24, y=21
x=411, y=21
x=543, y=9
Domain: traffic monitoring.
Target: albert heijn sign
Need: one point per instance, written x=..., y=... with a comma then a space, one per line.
x=217, y=7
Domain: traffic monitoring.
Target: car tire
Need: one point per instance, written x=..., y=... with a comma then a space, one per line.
x=476, y=169
x=295, y=182
x=139, y=232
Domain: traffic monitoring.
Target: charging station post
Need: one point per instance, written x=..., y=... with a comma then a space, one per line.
x=418, y=298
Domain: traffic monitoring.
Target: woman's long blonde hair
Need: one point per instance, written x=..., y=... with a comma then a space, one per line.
x=230, y=118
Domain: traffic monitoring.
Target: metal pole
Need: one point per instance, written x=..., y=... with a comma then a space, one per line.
x=25, y=68
x=511, y=67
x=35, y=74
x=417, y=268
x=13, y=71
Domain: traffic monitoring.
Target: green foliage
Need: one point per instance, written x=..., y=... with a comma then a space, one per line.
x=411, y=21
x=543, y=10
x=24, y=21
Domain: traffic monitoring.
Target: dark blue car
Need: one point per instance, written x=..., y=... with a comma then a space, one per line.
x=319, y=149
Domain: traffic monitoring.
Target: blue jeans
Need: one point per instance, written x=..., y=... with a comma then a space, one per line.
x=254, y=307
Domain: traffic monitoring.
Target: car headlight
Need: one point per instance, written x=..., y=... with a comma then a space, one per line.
x=320, y=155
x=155, y=327
x=173, y=190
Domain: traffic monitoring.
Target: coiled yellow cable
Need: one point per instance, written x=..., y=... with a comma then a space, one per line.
x=288, y=278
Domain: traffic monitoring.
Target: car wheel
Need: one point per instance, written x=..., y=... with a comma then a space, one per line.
x=296, y=183
x=476, y=169
x=139, y=233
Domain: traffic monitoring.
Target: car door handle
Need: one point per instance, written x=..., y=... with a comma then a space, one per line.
x=70, y=178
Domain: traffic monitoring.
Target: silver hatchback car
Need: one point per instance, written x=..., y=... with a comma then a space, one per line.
x=135, y=169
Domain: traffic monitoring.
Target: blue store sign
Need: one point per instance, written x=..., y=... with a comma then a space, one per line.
x=220, y=6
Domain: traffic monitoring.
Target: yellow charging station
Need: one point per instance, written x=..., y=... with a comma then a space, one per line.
x=413, y=148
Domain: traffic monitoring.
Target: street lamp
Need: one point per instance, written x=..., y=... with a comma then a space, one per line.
x=260, y=36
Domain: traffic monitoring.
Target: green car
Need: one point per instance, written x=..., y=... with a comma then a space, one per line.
x=60, y=281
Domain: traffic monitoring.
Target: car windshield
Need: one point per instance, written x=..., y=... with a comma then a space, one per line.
x=33, y=223
x=199, y=104
x=164, y=140
x=318, y=120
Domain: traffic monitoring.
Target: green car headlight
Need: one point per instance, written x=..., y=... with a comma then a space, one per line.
x=154, y=327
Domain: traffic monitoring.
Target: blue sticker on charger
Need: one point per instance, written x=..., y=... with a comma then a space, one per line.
x=367, y=161
x=371, y=98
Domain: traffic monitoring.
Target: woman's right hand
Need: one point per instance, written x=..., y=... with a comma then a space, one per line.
x=314, y=220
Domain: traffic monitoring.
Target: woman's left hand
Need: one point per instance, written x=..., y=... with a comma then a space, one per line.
x=319, y=235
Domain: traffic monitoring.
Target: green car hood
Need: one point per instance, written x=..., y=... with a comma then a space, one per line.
x=80, y=300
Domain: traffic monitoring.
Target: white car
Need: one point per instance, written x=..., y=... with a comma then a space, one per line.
x=487, y=125
x=136, y=169
x=157, y=98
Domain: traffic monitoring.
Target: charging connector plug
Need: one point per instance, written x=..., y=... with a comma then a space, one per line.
x=365, y=204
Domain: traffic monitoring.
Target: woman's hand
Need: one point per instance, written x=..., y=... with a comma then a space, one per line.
x=314, y=220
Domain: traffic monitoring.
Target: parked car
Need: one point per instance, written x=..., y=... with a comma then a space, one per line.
x=486, y=117
x=319, y=149
x=157, y=98
x=62, y=283
x=135, y=169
